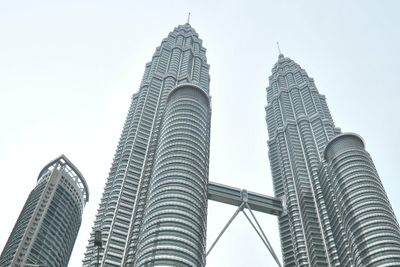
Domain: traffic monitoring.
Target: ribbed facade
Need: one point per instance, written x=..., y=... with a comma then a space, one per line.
x=180, y=59
x=46, y=229
x=174, y=224
x=368, y=226
x=337, y=213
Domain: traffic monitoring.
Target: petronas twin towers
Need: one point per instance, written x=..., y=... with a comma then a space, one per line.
x=153, y=211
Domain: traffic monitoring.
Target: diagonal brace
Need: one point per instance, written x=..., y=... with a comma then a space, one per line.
x=262, y=235
x=257, y=228
x=257, y=231
x=226, y=226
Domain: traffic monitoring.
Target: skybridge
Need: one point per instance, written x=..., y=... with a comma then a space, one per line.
x=246, y=200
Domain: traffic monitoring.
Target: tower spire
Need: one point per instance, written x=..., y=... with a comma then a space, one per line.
x=279, y=50
x=188, y=19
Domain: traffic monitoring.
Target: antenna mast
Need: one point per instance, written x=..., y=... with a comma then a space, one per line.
x=279, y=49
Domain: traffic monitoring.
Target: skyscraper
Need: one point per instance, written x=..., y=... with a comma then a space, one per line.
x=338, y=213
x=164, y=144
x=46, y=229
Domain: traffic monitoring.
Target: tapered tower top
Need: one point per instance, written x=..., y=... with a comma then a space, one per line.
x=283, y=62
x=187, y=28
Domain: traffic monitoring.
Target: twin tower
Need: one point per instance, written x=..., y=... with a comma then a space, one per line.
x=153, y=211
x=332, y=208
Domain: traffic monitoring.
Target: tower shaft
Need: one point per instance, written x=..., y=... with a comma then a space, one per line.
x=299, y=126
x=333, y=193
x=180, y=59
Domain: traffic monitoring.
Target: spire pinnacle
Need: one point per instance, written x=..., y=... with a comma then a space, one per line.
x=188, y=19
x=279, y=50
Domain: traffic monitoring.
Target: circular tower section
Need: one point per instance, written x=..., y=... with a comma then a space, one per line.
x=369, y=222
x=174, y=226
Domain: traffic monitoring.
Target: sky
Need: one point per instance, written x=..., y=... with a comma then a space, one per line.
x=69, y=68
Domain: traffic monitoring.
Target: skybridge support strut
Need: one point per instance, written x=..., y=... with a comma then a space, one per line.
x=225, y=227
x=244, y=199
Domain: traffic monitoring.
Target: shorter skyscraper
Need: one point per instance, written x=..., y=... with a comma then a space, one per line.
x=45, y=232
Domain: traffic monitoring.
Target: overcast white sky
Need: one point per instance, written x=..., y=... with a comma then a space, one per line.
x=69, y=68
